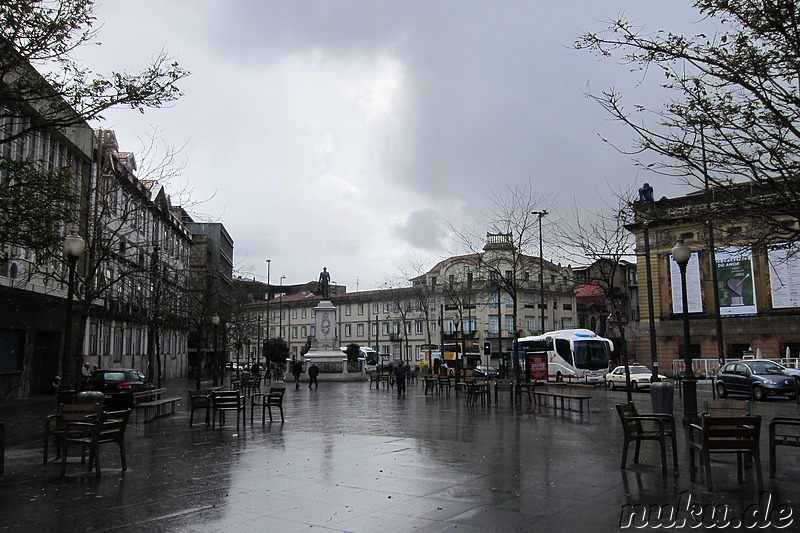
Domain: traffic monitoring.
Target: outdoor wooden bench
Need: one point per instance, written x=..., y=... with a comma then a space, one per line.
x=563, y=394
x=152, y=399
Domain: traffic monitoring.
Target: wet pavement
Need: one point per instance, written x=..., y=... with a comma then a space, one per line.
x=353, y=459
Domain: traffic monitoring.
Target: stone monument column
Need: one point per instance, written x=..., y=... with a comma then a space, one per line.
x=325, y=322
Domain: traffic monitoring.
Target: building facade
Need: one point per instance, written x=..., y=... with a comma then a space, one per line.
x=474, y=298
x=758, y=307
x=33, y=291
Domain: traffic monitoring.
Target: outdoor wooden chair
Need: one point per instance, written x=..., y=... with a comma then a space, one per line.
x=223, y=401
x=445, y=384
x=55, y=425
x=725, y=434
x=108, y=428
x=477, y=391
x=783, y=431
x=273, y=398
x=199, y=399
x=651, y=426
x=726, y=407
x=503, y=385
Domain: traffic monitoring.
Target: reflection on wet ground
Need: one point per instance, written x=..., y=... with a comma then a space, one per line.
x=353, y=459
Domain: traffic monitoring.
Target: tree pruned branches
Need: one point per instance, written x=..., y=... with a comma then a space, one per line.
x=733, y=103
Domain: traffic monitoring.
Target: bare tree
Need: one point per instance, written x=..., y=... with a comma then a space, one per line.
x=46, y=93
x=421, y=293
x=133, y=269
x=600, y=235
x=731, y=118
x=512, y=236
x=403, y=305
x=45, y=34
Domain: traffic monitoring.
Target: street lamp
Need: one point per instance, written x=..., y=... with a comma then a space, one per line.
x=541, y=214
x=459, y=353
x=215, y=358
x=269, y=294
x=280, y=311
x=682, y=253
x=73, y=247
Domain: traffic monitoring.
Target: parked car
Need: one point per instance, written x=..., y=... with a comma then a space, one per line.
x=640, y=377
x=118, y=385
x=484, y=371
x=758, y=378
x=791, y=372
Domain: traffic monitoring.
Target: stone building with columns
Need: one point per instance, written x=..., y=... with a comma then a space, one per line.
x=758, y=285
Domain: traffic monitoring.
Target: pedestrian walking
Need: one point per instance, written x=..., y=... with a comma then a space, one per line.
x=313, y=372
x=297, y=369
x=400, y=377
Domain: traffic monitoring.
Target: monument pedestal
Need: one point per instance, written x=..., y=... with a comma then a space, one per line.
x=324, y=352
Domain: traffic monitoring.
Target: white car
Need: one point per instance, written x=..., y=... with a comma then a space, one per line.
x=640, y=377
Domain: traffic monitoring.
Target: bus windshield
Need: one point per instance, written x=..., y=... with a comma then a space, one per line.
x=591, y=355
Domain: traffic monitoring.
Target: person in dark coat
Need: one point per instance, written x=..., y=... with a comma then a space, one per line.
x=297, y=369
x=400, y=377
x=313, y=372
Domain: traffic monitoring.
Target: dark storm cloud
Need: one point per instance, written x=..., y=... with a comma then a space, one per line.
x=422, y=229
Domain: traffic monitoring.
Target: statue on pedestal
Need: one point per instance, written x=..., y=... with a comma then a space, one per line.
x=325, y=283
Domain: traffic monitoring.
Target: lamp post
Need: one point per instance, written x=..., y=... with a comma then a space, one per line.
x=258, y=340
x=459, y=353
x=541, y=214
x=651, y=319
x=73, y=247
x=712, y=252
x=280, y=311
x=269, y=295
x=682, y=253
x=215, y=357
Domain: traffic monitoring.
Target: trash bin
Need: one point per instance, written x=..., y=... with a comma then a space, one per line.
x=661, y=394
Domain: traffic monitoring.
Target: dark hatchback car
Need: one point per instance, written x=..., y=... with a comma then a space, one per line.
x=758, y=378
x=118, y=385
x=484, y=371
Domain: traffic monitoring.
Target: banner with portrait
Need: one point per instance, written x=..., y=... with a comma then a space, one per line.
x=784, y=275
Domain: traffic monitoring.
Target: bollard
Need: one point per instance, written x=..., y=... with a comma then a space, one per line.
x=661, y=394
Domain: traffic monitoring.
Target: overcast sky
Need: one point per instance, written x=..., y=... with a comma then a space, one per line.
x=339, y=133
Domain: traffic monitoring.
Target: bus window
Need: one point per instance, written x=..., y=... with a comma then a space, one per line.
x=563, y=349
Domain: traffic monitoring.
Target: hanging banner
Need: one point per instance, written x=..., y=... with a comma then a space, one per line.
x=737, y=295
x=784, y=275
x=694, y=288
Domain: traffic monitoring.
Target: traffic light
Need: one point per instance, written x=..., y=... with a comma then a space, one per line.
x=487, y=348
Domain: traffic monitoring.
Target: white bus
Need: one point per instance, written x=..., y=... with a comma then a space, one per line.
x=572, y=354
x=370, y=356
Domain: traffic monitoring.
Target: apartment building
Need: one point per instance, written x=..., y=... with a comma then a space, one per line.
x=477, y=298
